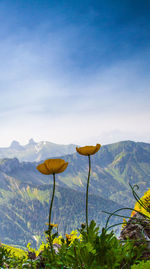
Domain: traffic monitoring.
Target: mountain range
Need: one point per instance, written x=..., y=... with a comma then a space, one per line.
x=25, y=193
x=34, y=151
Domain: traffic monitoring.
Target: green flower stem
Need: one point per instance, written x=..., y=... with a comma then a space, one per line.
x=123, y=208
x=51, y=204
x=50, y=213
x=87, y=192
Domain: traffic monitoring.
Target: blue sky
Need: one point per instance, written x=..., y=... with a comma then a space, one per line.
x=74, y=71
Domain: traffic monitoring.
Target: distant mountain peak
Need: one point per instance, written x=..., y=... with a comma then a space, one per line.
x=35, y=151
x=32, y=142
x=15, y=145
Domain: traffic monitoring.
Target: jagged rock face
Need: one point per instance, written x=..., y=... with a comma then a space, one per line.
x=138, y=229
x=34, y=151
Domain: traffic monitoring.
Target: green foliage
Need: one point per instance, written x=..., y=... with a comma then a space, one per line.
x=4, y=253
x=141, y=265
x=8, y=258
x=92, y=250
x=15, y=258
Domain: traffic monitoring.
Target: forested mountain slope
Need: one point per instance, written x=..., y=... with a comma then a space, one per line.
x=113, y=167
x=24, y=211
x=25, y=193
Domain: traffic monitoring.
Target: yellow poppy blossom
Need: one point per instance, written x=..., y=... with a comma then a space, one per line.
x=52, y=166
x=88, y=150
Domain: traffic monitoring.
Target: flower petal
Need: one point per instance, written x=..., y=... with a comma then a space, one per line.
x=88, y=150
x=145, y=201
x=54, y=165
x=43, y=169
x=62, y=168
x=98, y=146
x=68, y=236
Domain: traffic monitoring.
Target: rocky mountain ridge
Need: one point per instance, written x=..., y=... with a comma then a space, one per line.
x=35, y=151
x=113, y=167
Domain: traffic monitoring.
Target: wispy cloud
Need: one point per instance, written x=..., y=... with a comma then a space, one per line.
x=67, y=79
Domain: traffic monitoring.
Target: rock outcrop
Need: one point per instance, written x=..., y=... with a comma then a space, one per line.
x=138, y=230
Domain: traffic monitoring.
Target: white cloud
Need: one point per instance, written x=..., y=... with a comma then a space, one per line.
x=45, y=96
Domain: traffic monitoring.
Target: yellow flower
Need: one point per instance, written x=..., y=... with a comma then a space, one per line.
x=68, y=237
x=52, y=225
x=52, y=166
x=88, y=150
x=145, y=199
x=124, y=223
x=72, y=236
x=58, y=240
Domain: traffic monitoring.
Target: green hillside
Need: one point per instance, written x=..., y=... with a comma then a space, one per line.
x=113, y=167
x=24, y=212
x=25, y=193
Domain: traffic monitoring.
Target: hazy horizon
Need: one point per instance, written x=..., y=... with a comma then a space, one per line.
x=74, y=71
x=91, y=141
